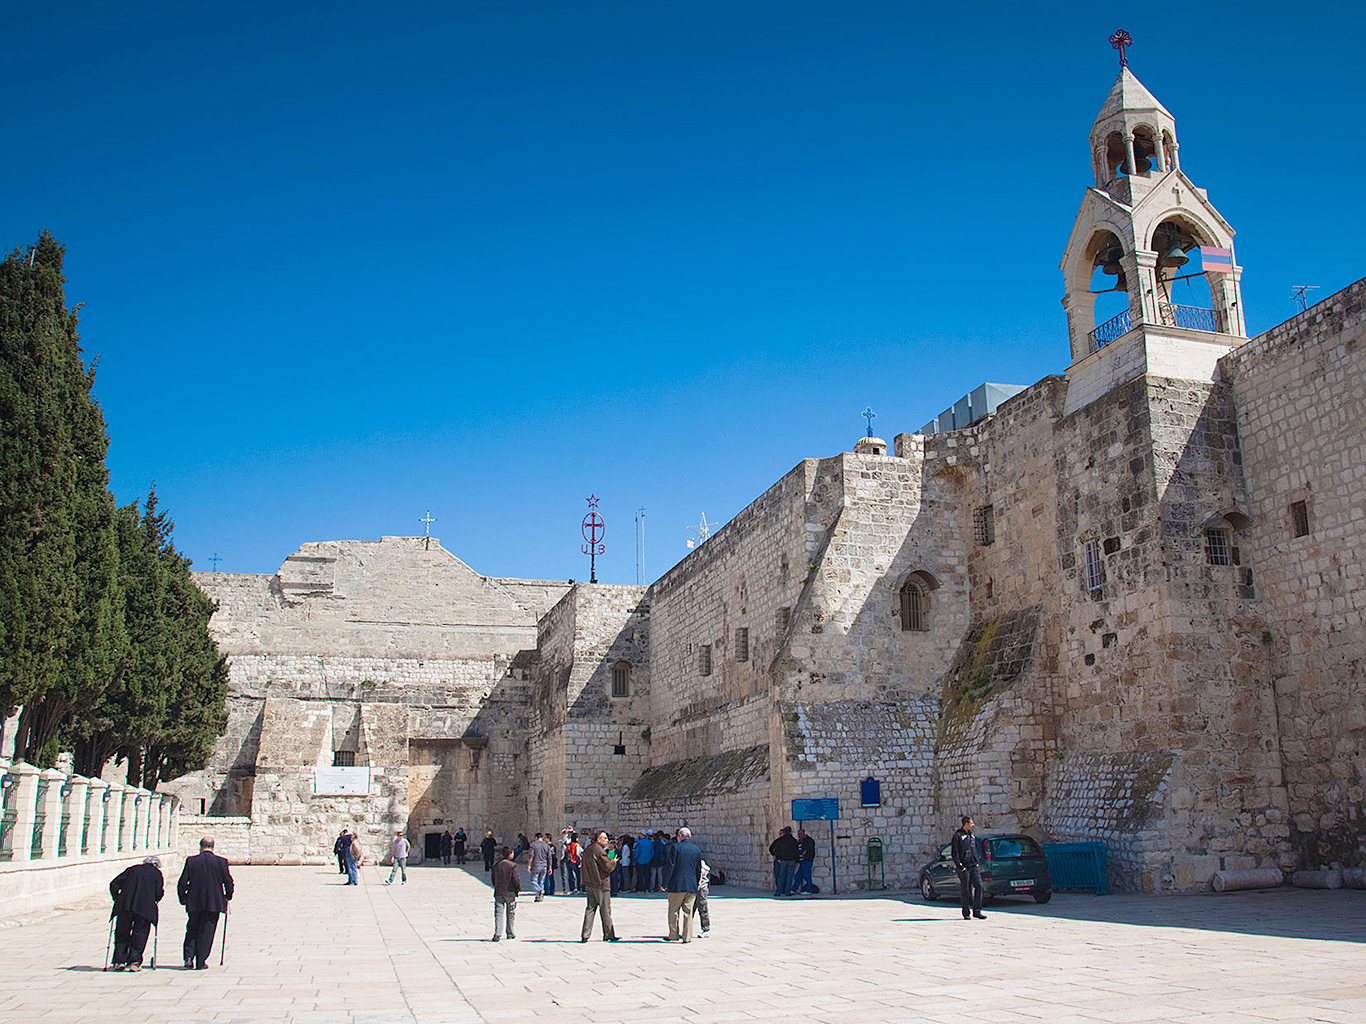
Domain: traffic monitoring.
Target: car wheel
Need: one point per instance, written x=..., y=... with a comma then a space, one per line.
x=927, y=889
x=1043, y=897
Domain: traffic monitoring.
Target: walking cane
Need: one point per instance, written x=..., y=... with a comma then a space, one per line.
x=154, y=945
x=108, y=945
x=223, y=949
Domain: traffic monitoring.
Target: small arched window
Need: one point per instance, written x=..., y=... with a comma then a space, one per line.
x=914, y=598
x=621, y=679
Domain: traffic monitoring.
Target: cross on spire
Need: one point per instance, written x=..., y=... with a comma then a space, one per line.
x=427, y=530
x=215, y=559
x=1119, y=41
x=869, y=415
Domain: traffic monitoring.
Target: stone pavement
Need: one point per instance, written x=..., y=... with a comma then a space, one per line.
x=304, y=949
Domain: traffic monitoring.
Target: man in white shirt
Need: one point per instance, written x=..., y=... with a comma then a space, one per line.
x=401, y=848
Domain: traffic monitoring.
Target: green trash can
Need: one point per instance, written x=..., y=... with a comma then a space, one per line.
x=875, y=865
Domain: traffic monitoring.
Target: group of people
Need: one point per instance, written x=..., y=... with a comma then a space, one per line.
x=595, y=871
x=794, y=859
x=204, y=889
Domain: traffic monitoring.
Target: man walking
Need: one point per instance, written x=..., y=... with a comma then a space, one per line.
x=541, y=855
x=204, y=889
x=339, y=848
x=784, y=851
x=506, y=886
x=965, y=859
x=136, y=892
x=641, y=854
x=487, y=847
x=597, y=886
x=806, y=860
x=401, y=850
x=683, y=871
x=446, y=843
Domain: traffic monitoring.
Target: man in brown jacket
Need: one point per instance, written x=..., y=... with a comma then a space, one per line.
x=597, y=886
x=506, y=886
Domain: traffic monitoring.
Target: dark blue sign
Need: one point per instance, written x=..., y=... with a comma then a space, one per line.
x=870, y=792
x=824, y=809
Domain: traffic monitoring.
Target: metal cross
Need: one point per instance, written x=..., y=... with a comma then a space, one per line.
x=215, y=559
x=1119, y=41
x=869, y=415
x=427, y=530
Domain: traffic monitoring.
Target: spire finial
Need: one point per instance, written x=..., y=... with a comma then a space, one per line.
x=1119, y=41
x=869, y=415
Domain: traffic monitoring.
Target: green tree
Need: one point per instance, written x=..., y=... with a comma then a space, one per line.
x=60, y=611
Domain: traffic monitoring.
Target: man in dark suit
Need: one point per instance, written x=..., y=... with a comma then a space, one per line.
x=682, y=873
x=968, y=865
x=205, y=887
x=136, y=892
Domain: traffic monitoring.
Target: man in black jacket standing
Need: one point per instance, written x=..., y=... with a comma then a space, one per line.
x=785, y=852
x=965, y=859
x=136, y=892
x=205, y=887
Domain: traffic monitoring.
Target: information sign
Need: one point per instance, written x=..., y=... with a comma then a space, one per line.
x=822, y=809
x=341, y=781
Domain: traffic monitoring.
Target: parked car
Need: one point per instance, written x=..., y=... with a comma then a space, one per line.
x=1012, y=865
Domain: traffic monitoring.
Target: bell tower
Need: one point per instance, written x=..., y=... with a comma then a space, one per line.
x=1150, y=283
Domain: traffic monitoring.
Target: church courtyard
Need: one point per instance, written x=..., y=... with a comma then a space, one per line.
x=302, y=948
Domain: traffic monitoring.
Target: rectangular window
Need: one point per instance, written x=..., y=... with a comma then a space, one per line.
x=1095, y=568
x=343, y=759
x=781, y=620
x=704, y=660
x=984, y=525
x=742, y=644
x=1217, y=546
x=1299, y=519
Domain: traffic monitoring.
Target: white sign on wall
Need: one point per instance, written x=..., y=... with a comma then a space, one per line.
x=341, y=781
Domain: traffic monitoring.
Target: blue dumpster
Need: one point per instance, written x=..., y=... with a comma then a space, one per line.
x=1079, y=866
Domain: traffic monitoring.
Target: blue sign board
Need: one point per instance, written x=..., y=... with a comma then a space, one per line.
x=824, y=809
x=870, y=792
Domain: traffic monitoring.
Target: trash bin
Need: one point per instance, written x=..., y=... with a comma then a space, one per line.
x=875, y=865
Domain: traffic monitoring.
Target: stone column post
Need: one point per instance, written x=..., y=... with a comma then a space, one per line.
x=150, y=801
x=52, y=825
x=25, y=803
x=1143, y=288
x=98, y=810
x=173, y=832
x=75, y=827
x=1176, y=156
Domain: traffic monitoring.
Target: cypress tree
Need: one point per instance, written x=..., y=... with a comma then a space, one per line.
x=60, y=622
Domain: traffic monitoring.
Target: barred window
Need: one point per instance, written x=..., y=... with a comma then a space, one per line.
x=1095, y=568
x=984, y=524
x=913, y=608
x=1217, y=548
x=1299, y=519
x=781, y=619
x=621, y=679
x=704, y=660
x=742, y=644
x=343, y=759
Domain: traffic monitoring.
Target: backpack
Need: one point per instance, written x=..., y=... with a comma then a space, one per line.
x=574, y=852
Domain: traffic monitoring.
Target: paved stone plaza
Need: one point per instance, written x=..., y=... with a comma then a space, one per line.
x=303, y=948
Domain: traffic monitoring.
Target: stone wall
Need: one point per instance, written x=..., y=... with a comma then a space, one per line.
x=1301, y=411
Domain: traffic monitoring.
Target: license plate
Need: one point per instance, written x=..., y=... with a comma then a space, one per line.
x=1021, y=883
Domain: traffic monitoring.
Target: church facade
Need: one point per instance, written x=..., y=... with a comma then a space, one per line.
x=1127, y=606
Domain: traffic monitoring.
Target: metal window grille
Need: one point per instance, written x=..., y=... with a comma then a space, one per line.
x=39, y=820
x=742, y=644
x=1095, y=568
x=704, y=660
x=1217, y=548
x=1299, y=518
x=621, y=679
x=66, y=823
x=8, y=813
x=913, y=608
x=343, y=759
x=781, y=620
x=984, y=525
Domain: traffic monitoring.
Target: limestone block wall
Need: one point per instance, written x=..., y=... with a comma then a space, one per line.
x=1301, y=406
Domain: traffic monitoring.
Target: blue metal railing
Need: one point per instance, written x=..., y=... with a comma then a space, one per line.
x=1111, y=329
x=1193, y=318
x=1077, y=866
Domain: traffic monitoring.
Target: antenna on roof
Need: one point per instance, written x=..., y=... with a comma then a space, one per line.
x=1299, y=294
x=703, y=531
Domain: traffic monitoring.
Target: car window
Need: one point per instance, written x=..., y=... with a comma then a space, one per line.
x=945, y=851
x=1014, y=848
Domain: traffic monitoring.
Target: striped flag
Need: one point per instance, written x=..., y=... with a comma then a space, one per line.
x=1215, y=260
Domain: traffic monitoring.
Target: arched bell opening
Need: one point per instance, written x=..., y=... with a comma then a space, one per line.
x=1187, y=295
x=1145, y=150
x=1116, y=157
x=1107, y=288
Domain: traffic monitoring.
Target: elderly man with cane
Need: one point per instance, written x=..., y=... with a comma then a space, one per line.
x=205, y=887
x=136, y=892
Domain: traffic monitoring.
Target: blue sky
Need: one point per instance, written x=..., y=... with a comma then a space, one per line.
x=345, y=263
